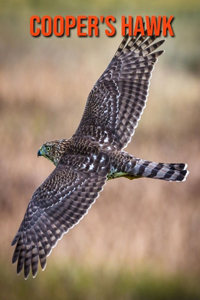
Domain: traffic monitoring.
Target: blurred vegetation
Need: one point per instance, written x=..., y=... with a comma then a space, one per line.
x=44, y=83
x=102, y=6
x=81, y=283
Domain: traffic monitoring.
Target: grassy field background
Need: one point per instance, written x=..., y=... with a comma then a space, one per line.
x=141, y=239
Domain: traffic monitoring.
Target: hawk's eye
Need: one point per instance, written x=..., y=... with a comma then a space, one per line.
x=48, y=148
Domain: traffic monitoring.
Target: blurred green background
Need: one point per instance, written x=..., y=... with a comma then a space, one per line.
x=141, y=239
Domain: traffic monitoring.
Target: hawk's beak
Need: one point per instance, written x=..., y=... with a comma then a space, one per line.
x=39, y=152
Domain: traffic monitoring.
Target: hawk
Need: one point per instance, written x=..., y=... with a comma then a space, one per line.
x=93, y=155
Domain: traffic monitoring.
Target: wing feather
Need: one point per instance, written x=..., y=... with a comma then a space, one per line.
x=55, y=207
x=117, y=100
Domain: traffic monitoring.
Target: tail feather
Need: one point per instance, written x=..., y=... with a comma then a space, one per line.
x=163, y=171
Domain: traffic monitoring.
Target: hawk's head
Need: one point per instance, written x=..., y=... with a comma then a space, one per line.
x=53, y=150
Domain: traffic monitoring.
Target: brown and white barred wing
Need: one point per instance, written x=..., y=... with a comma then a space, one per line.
x=56, y=206
x=117, y=100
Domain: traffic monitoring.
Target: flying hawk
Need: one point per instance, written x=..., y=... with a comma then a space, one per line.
x=93, y=155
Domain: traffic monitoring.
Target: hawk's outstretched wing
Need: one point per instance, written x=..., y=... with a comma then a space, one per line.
x=56, y=206
x=117, y=100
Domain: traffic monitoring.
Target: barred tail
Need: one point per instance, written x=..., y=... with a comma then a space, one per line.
x=163, y=171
